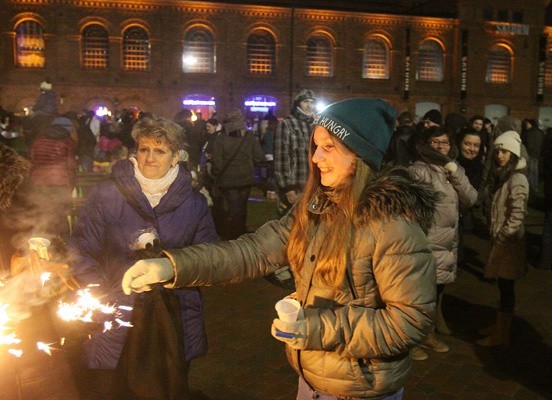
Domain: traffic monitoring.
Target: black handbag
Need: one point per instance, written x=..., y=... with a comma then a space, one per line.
x=152, y=364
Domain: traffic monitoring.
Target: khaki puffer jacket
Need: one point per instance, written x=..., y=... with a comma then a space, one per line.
x=359, y=337
x=507, y=230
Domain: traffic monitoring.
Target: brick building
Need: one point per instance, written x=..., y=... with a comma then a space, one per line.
x=471, y=56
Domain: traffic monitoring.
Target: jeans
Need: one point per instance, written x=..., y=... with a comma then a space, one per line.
x=306, y=393
x=236, y=201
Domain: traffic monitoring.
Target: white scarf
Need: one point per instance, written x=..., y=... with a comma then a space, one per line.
x=154, y=189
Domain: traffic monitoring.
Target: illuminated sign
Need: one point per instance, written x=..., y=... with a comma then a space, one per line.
x=513, y=29
x=259, y=109
x=192, y=102
x=260, y=104
x=254, y=103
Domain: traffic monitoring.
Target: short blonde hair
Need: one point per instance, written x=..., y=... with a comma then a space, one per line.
x=162, y=129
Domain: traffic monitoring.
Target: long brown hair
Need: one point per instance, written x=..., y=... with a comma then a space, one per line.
x=339, y=222
x=499, y=175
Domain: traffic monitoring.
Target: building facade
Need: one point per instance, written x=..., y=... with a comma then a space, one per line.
x=161, y=56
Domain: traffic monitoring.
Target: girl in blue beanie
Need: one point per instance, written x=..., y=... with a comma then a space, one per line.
x=355, y=241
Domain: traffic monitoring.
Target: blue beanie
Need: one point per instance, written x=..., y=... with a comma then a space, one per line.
x=364, y=125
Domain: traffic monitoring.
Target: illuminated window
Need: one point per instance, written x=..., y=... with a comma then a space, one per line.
x=375, y=63
x=261, y=53
x=499, y=65
x=95, y=45
x=319, y=60
x=548, y=71
x=199, y=51
x=136, y=49
x=430, y=62
x=29, y=39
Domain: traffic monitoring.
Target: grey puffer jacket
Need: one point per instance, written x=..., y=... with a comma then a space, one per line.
x=457, y=194
x=358, y=337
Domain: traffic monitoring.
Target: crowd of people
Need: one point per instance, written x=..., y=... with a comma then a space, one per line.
x=373, y=208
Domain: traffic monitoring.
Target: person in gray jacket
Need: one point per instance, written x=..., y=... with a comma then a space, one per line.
x=355, y=241
x=436, y=166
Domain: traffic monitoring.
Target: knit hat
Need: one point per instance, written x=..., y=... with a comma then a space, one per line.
x=510, y=141
x=46, y=85
x=434, y=116
x=405, y=118
x=303, y=95
x=234, y=121
x=364, y=125
x=64, y=123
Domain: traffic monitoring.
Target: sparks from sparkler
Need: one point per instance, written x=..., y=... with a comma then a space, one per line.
x=85, y=306
x=45, y=276
x=45, y=347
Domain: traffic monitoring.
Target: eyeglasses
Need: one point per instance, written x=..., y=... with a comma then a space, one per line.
x=445, y=143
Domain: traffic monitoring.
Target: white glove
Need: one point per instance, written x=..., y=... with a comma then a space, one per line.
x=145, y=273
x=451, y=167
x=292, y=333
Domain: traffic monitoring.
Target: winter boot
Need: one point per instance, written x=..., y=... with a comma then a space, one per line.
x=501, y=335
x=440, y=324
x=434, y=343
x=418, y=354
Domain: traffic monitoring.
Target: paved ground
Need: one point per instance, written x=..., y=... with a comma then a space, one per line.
x=245, y=363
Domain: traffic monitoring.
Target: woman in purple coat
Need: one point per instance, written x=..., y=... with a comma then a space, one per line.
x=149, y=197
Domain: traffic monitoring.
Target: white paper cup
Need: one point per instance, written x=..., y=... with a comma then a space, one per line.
x=40, y=245
x=288, y=309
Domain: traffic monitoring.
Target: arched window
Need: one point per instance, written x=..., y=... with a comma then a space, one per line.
x=319, y=55
x=95, y=46
x=375, y=62
x=199, y=51
x=136, y=49
x=499, y=65
x=29, y=44
x=261, y=53
x=430, y=61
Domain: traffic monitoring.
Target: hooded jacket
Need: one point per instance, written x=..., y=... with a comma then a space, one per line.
x=110, y=223
x=358, y=337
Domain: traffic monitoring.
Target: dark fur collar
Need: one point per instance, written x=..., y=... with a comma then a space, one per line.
x=397, y=193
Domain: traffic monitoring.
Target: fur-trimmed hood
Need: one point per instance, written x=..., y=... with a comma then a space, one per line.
x=397, y=193
x=394, y=193
x=15, y=170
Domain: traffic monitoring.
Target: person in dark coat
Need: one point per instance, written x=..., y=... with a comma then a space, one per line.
x=234, y=157
x=46, y=101
x=149, y=198
x=545, y=260
x=35, y=375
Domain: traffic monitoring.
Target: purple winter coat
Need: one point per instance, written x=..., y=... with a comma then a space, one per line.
x=109, y=223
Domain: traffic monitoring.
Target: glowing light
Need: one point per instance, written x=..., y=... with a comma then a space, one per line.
x=83, y=309
x=44, y=277
x=257, y=103
x=45, y=347
x=189, y=59
x=259, y=109
x=320, y=106
x=102, y=111
x=192, y=102
x=17, y=353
